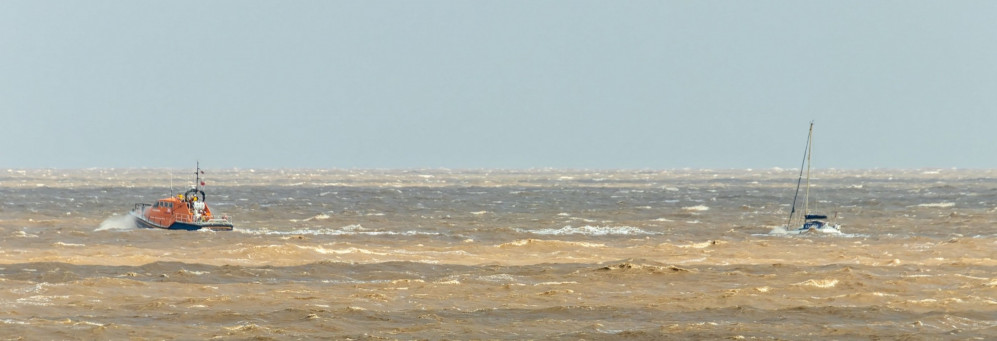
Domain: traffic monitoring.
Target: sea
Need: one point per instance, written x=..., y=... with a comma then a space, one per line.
x=547, y=254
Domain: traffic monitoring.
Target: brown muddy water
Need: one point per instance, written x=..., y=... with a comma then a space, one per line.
x=493, y=254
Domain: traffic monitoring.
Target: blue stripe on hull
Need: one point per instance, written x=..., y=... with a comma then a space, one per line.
x=142, y=223
x=184, y=226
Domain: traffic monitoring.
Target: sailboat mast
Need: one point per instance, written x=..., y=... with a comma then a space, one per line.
x=810, y=146
x=799, y=180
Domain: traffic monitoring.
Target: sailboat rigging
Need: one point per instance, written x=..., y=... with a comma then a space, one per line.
x=810, y=221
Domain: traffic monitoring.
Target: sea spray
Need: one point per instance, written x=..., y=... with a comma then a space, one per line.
x=117, y=223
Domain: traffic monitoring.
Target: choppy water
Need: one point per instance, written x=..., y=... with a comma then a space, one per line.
x=542, y=254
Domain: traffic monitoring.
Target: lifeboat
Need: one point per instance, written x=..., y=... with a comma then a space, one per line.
x=187, y=211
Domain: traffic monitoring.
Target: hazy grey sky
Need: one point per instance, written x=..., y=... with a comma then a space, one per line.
x=497, y=84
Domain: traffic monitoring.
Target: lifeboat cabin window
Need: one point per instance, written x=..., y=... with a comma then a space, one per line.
x=163, y=204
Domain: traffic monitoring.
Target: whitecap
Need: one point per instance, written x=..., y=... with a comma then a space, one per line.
x=938, y=205
x=819, y=283
x=351, y=250
x=504, y=278
x=528, y=242
x=22, y=234
x=702, y=245
x=343, y=231
x=321, y=216
x=591, y=231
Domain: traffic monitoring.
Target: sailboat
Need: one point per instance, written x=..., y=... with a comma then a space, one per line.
x=810, y=221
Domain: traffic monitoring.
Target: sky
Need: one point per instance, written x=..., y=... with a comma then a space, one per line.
x=497, y=84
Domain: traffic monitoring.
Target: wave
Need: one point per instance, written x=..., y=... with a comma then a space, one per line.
x=938, y=205
x=637, y=266
x=702, y=245
x=322, y=216
x=22, y=234
x=349, y=230
x=68, y=244
x=556, y=244
x=350, y=250
x=591, y=231
x=819, y=283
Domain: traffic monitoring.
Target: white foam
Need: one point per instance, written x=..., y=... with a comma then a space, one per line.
x=555, y=283
x=821, y=283
x=782, y=230
x=22, y=234
x=117, y=223
x=351, y=250
x=500, y=278
x=321, y=216
x=697, y=208
x=10, y=321
x=833, y=231
x=68, y=244
x=702, y=245
x=591, y=231
x=938, y=205
x=779, y=230
x=526, y=242
x=349, y=230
